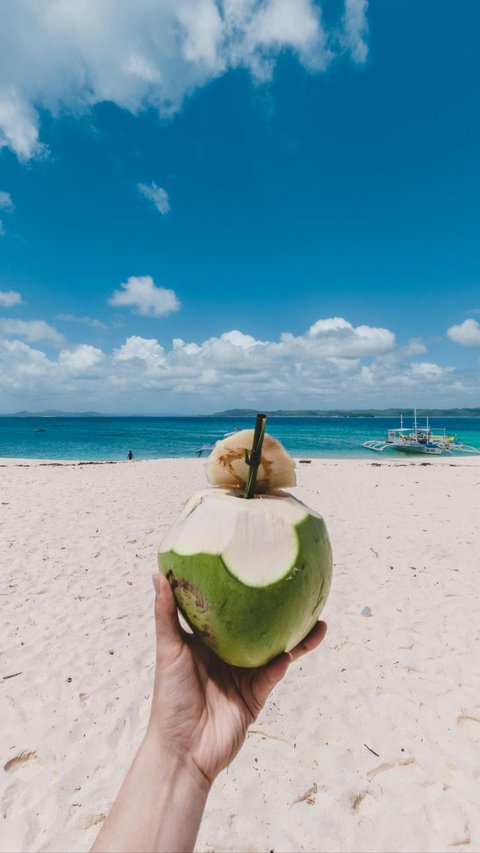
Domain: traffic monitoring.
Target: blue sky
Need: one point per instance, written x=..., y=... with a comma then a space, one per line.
x=206, y=205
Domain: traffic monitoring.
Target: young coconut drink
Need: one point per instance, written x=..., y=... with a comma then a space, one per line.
x=250, y=565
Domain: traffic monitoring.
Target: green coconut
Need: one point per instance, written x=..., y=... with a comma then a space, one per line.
x=250, y=576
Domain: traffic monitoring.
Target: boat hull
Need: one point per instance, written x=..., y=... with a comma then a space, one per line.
x=429, y=451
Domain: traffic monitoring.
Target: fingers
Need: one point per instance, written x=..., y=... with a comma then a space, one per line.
x=310, y=642
x=168, y=630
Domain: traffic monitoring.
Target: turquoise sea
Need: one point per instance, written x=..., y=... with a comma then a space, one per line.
x=110, y=438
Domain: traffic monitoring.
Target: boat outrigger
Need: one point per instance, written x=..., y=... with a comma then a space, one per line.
x=419, y=439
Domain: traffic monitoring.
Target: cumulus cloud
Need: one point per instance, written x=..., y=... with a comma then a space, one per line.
x=335, y=332
x=157, y=195
x=80, y=360
x=142, y=295
x=336, y=365
x=68, y=56
x=356, y=29
x=239, y=359
x=238, y=339
x=32, y=330
x=467, y=334
x=9, y=298
x=146, y=349
x=21, y=366
x=332, y=324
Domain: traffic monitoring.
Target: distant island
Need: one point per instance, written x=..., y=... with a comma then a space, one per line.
x=350, y=413
x=53, y=413
x=277, y=413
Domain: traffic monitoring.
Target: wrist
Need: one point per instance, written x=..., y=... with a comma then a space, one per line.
x=179, y=767
x=159, y=807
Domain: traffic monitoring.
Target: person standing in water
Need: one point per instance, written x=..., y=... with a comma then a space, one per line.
x=130, y=455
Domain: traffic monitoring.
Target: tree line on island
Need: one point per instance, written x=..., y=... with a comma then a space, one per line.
x=350, y=413
x=276, y=413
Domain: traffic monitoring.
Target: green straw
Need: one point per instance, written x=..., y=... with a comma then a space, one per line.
x=254, y=458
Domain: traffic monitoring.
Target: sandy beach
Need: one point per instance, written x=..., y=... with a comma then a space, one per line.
x=370, y=744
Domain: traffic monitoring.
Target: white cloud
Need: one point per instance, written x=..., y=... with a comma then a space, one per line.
x=7, y=205
x=356, y=29
x=81, y=359
x=238, y=339
x=414, y=347
x=65, y=55
x=202, y=25
x=146, y=349
x=190, y=349
x=33, y=330
x=9, y=298
x=332, y=324
x=466, y=334
x=329, y=369
x=141, y=294
x=335, y=333
x=272, y=26
x=84, y=321
x=6, y=202
x=429, y=370
x=20, y=365
x=157, y=195
x=345, y=365
x=235, y=359
x=18, y=117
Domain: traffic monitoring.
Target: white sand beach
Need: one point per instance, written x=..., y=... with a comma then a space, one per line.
x=370, y=744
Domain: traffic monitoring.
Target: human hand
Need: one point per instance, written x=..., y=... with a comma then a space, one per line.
x=201, y=706
x=201, y=710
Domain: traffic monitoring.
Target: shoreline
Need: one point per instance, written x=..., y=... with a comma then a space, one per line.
x=374, y=459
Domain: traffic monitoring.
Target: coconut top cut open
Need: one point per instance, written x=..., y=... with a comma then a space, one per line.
x=270, y=520
x=227, y=466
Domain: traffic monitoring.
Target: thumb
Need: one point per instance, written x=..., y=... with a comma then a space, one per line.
x=267, y=677
x=167, y=626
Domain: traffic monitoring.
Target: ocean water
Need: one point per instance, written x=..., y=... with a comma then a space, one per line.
x=110, y=438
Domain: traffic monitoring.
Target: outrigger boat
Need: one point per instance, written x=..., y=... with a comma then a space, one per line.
x=419, y=439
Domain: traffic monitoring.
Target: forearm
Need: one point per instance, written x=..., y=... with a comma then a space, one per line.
x=158, y=808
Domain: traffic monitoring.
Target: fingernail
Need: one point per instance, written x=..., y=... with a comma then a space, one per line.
x=156, y=583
